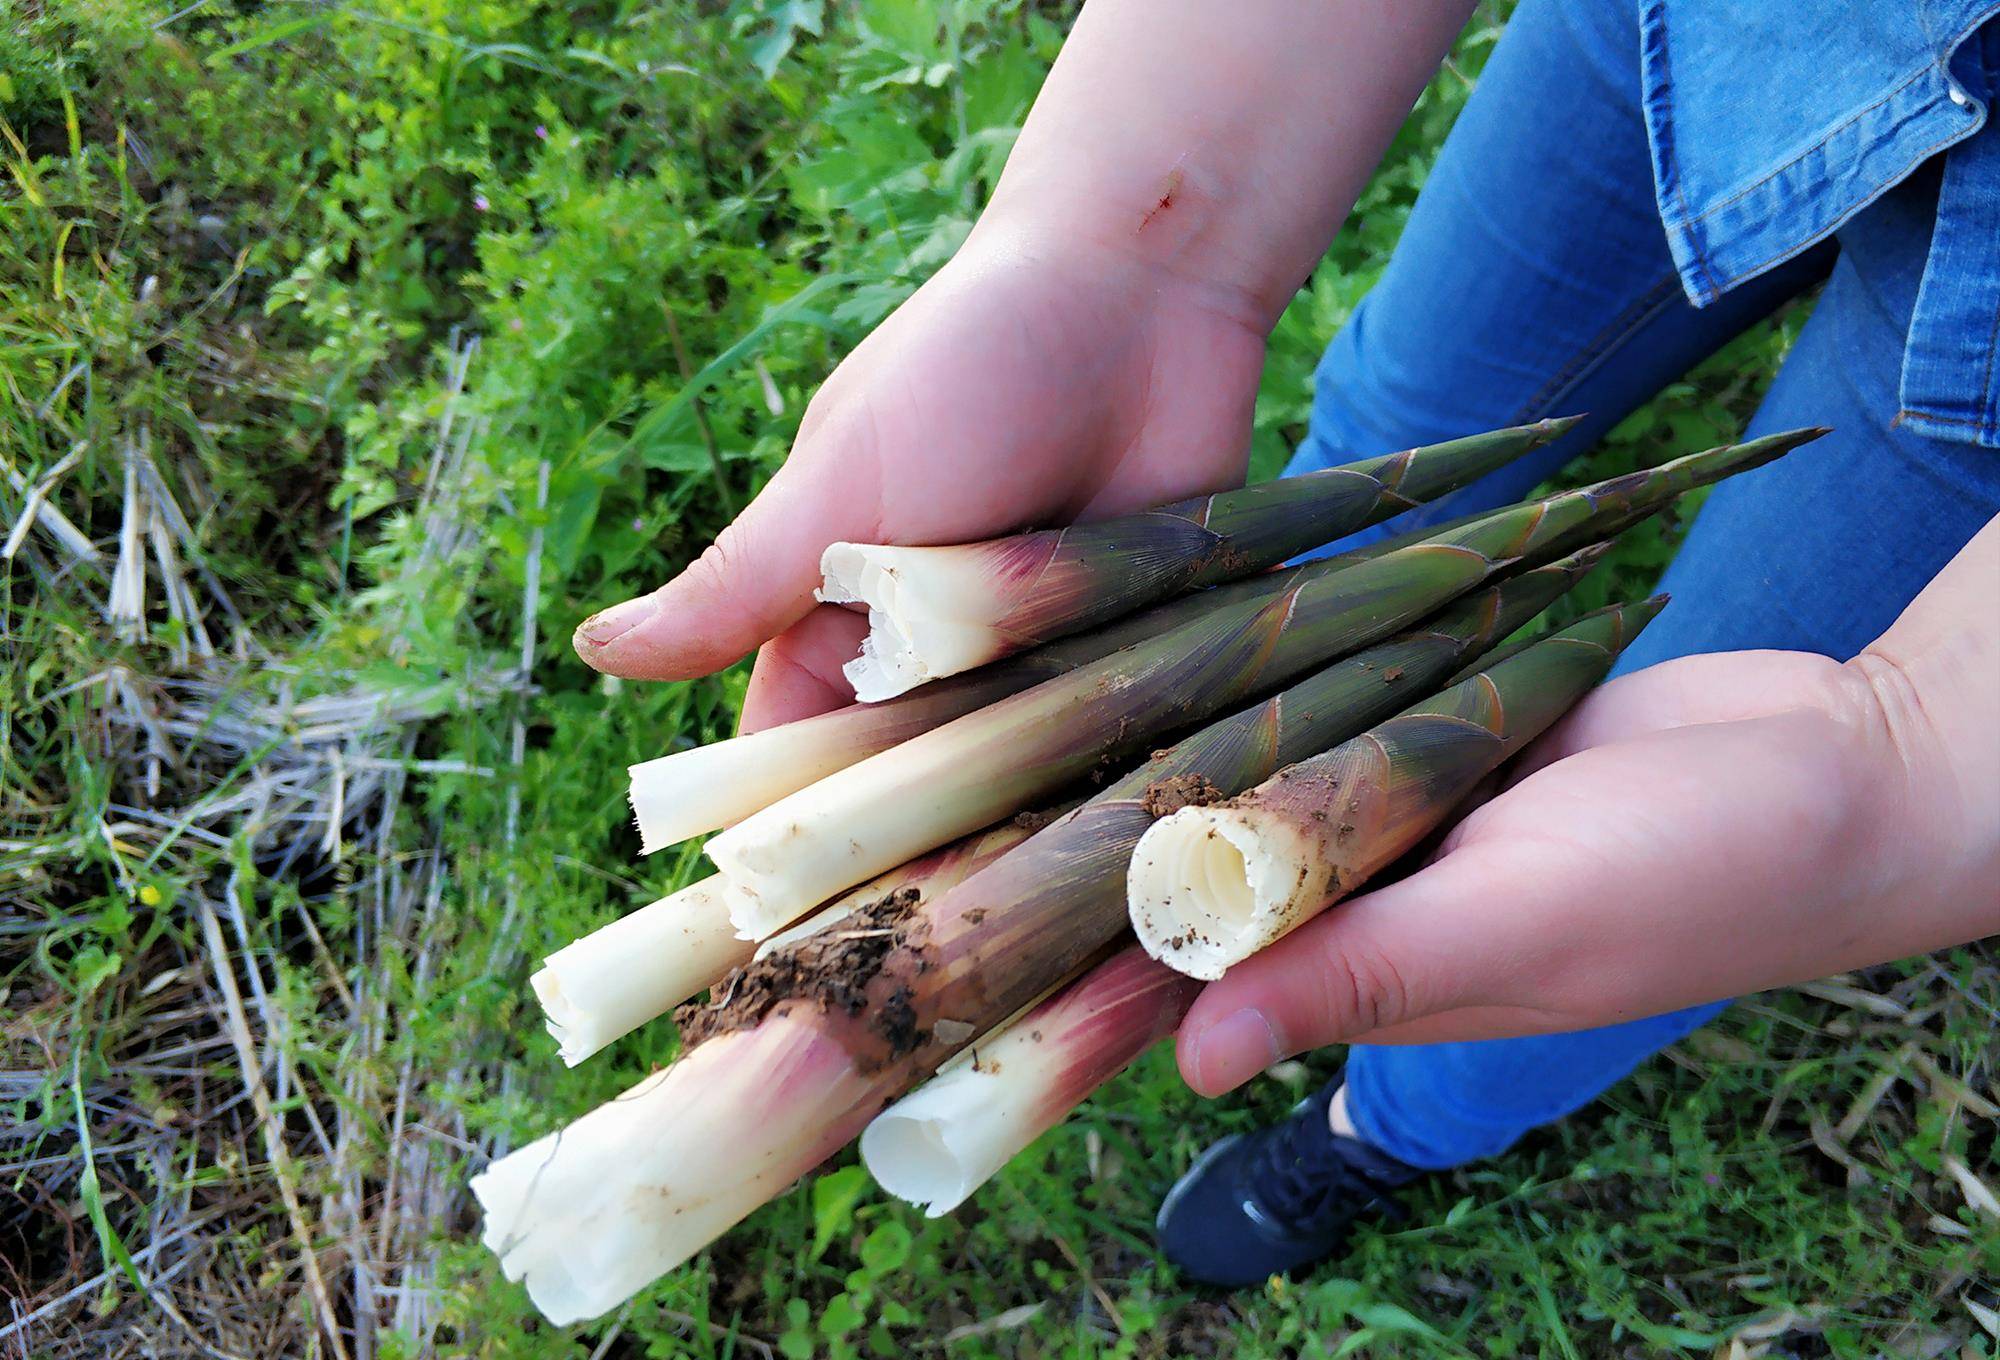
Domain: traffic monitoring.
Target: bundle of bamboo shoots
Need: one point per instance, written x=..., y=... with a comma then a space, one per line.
x=713, y=786
x=937, y=934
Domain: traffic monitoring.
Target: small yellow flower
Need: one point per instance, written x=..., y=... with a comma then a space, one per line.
x=150, y=896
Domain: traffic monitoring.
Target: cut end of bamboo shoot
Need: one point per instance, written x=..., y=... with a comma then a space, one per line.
x=667, y=802
x=750, y=917
x=1208, y=887
x=954, y=1133
x=714, y=786
x=591, y=992
x=933, y=1148
x=567, y=1023
x=922, y=625
x=588, y=1216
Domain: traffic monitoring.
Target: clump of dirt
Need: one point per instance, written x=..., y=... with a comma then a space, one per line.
x=831, y=970
x=1166, y=796
x=1033, y=821
x=896, y=1021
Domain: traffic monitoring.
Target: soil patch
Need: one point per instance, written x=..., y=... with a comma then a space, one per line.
x=1166, y=796
x=832, y=970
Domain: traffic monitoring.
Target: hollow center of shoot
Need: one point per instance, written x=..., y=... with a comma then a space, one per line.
x=1213, y=864
x=911, y=1159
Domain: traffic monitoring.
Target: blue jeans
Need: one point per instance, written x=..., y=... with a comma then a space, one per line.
x=1534, y=279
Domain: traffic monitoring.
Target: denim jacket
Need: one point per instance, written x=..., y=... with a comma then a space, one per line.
x=1773, y=122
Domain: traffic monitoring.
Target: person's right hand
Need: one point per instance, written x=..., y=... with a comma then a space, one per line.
x=1704, y=828
x=1029, y=382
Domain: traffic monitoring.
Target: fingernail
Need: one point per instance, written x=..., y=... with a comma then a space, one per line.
x=610, y=624
x=1236, y=1048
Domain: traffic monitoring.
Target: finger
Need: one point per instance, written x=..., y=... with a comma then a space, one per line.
x=1467, y=1024
x=752, y=583
x=798, y=672
x=1333, y=979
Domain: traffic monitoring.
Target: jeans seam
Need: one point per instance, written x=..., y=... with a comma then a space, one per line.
x=1686, y=224
x=1986, y=402
x=1742, y=272
x=1778, y=172
x=1920, y=413
x=1615, y=333
x=1983, y=421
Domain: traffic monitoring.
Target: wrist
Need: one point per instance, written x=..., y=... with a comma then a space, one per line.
x=1072, y=247
x=1221, y=145
x=1159, y=227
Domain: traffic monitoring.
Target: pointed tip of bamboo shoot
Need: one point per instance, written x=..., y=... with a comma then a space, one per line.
x=1580, y=562
x=1767, y=448
x=1207, y=888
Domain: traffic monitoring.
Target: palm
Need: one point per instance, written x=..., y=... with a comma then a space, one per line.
x=1693, y=843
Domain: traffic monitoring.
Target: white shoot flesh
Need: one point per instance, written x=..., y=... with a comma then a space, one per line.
x=1210, y=886
x=954, y=1133
x=590, y=1215
x=922, y=625
x=866, y=820
x=638, y=968
x=937, y=1145
x=684, y=794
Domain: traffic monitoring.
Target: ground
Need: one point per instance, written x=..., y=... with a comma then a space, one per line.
x=351, y=357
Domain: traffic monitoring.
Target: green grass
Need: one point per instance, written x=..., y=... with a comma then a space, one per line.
x=410, y=305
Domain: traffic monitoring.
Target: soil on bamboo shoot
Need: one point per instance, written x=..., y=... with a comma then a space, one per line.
x=1164, y=797
x=866, y=967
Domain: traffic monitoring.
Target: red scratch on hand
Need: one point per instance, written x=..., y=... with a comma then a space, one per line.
x=1173, y=186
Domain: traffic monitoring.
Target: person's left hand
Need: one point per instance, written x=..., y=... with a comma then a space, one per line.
x=1699, y=830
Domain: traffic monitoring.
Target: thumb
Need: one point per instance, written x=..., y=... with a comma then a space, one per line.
x=753, y=582
x=1356, y=969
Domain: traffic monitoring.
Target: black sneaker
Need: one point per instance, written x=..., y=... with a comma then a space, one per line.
x=1263, y=1203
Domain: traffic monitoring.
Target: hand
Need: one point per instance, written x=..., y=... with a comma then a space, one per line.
x=1096, y=344
x=1027, y=383
x=1699, y=830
